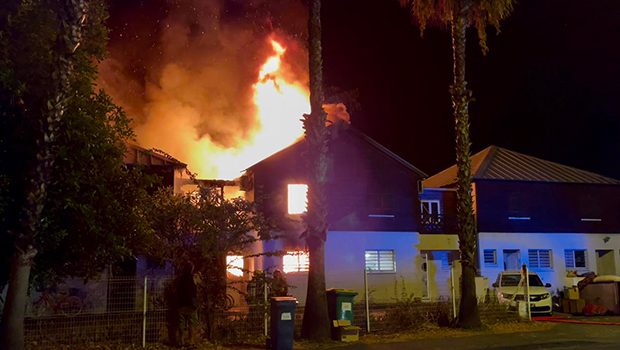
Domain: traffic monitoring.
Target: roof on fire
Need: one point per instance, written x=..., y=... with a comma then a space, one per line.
x=353, y=131
x=140, y=155
x=496, y=163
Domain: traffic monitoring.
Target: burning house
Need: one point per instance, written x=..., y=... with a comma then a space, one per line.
x=373, y=215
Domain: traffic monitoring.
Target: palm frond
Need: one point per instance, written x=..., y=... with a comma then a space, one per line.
x=480, y=14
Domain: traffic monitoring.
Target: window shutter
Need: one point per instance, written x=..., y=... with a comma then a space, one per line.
x=533, y=259
x=490, y=257
x=569, y=258
x=380, y=260
x=544, y=258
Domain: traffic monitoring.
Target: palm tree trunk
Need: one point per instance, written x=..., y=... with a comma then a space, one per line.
x=469, y=316
x=71, y=18
x=316, y=320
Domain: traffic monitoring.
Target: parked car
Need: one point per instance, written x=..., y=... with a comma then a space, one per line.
x=507, y=285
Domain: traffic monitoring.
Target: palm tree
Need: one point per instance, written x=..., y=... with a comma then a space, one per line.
x=460, y=14
x=71, y=16
x=316, y=321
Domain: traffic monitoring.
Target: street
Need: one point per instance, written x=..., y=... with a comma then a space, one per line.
x=562, y=336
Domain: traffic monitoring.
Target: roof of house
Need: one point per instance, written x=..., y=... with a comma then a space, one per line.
x=370, y=142
x=496, y=163
x=140, y=155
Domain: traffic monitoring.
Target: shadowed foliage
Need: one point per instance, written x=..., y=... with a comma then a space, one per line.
x=70, y=206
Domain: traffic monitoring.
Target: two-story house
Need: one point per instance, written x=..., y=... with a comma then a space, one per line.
x=373, y=216
x=550, y=216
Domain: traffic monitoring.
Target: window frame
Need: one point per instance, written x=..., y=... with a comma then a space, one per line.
x=288, y=199
x=378, y=257
x=538, y=260
x=231, y=268
x=386, y=208
x=303, y=266
x=494, y=263
x=574, y=258
x=422, y=201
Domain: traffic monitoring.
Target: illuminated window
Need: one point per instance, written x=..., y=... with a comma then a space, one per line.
x=234, y=265
x=295, y=262
x=297, y=199
x=380, y=261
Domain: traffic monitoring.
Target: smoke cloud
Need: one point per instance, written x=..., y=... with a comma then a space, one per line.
x=185, y=73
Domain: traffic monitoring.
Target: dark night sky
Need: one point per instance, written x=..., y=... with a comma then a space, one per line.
x=548, y=87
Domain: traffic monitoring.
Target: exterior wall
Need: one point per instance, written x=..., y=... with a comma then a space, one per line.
x=345, y=264
x=357, y=175
x=557, y=242
x=551, y=207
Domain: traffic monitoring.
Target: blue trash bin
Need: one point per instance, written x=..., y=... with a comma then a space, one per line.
x=282, y=322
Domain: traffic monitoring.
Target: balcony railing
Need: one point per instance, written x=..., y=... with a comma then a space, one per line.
x=435, y=223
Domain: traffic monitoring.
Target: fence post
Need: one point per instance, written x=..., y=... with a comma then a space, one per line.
x=265, y=308
x=367, y=300
x=453, y=290
x=144, y=314
x=527, y=296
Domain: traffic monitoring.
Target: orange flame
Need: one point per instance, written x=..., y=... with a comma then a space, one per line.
x=280, y=104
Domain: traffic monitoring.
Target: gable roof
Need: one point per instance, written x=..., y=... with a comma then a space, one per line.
x=496, y=163
x=374, y=144
x=386, y=151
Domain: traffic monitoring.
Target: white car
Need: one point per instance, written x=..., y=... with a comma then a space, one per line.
x=507, y=285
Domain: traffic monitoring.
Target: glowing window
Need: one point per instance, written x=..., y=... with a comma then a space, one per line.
x=234, y=265
x=297, y=199
x=295, y=262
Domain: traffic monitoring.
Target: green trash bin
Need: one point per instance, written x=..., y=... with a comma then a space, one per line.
x=340, y=304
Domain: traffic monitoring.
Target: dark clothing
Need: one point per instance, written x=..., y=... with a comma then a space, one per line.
x=186, y=291
x=280, y=287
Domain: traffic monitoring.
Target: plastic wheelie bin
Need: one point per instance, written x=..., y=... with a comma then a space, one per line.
x=282, y=323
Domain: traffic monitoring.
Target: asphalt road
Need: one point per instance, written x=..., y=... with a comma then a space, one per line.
x=562, y=336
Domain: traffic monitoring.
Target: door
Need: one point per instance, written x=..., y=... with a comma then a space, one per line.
x=512, y=259
x=605, y=262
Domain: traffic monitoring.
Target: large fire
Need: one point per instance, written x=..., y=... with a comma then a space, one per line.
x=280, y=104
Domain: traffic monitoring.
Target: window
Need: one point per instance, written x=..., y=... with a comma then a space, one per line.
x=297, y=198
x=234, y=265
x=380, y=261
x=540, y=258
x=576, y=258
x=295, y=262
x=381, y=205
x=490, y=257
x=430, y=207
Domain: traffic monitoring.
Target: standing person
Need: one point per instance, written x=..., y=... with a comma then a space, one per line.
x=187, y=303
x=280, y=287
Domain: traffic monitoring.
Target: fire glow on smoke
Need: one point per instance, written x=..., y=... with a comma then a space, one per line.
x=279, y=103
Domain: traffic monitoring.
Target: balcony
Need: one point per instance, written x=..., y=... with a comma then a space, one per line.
x=438, y=223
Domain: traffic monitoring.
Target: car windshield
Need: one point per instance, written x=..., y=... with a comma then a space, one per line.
x=513, y=281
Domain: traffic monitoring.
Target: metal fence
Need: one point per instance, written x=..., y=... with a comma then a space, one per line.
x=123, y=310
x=134, y=311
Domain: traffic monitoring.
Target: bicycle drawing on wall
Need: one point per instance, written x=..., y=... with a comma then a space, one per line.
x=52, y=302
